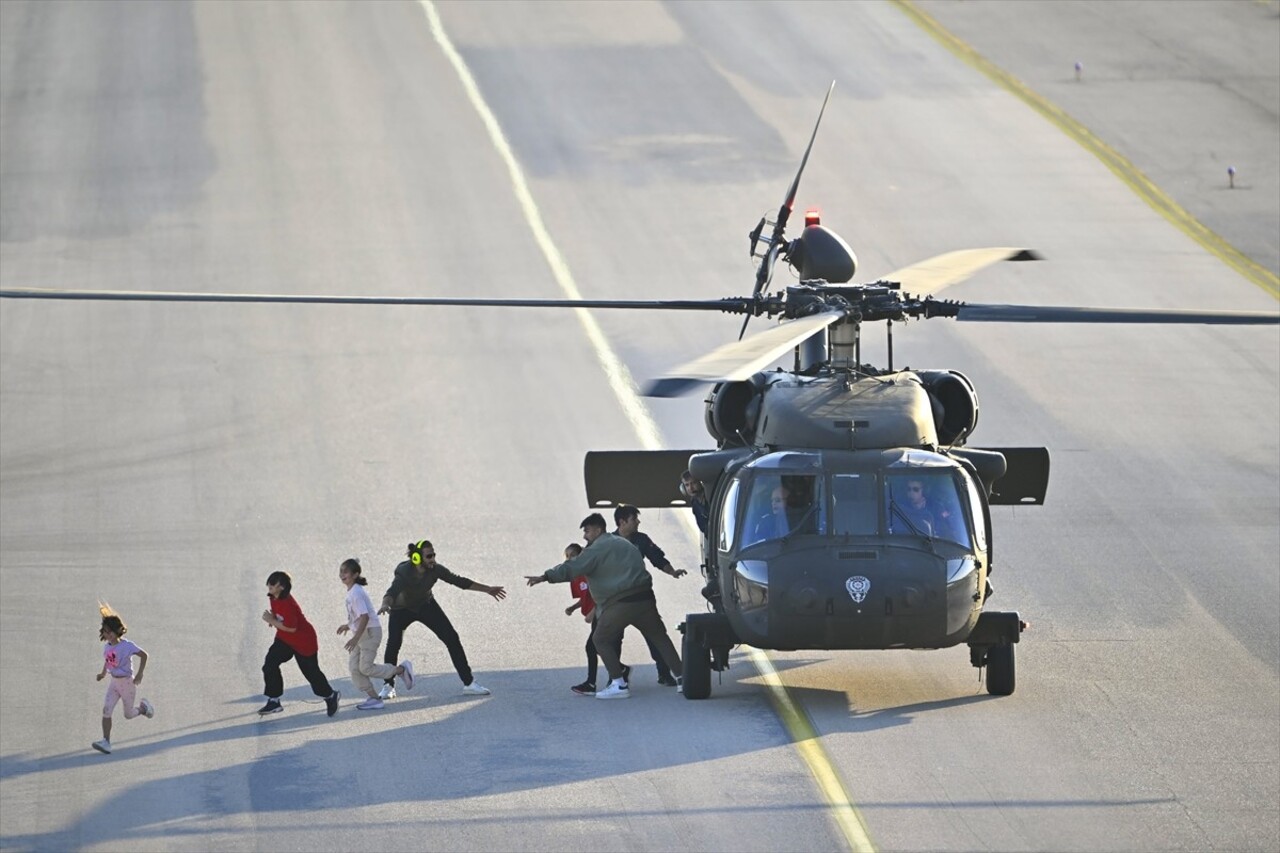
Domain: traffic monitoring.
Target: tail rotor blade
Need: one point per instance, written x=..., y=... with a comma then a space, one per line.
x=765, y=270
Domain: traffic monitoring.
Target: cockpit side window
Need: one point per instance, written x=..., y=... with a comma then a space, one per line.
x=925, y=504
x=975, y=505
x=729, y=518
x=855, y=510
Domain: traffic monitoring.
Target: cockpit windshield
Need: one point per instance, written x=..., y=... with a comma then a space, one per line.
x=904, y=500
x=782, y=505
x=925, y=503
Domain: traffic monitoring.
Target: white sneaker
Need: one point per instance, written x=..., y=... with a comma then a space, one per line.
x=407, y=678
x=371, y=704
x=474, y=689
x=103, y=745
x=388, y=691
x=147, y=708
x=617, y=689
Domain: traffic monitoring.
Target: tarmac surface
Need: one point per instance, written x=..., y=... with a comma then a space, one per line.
x=167, y=457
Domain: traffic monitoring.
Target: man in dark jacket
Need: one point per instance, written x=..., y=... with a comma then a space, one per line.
x=627, y=518
x=623, y=592
x=409, y=599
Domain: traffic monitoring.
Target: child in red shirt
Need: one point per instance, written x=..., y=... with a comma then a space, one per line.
x=294, y=638
x=581, y=590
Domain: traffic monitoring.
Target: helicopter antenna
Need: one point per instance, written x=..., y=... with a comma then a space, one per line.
x=765, y=271
x=888, y=327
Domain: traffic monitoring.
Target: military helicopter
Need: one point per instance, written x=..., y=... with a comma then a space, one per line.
x=843, y=507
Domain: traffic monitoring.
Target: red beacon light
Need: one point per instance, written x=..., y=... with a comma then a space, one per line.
x=812, y=217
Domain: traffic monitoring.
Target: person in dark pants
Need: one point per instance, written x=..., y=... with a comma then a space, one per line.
x=627, y=519
x=623, y=592
x=295, y=637
x=409, y=599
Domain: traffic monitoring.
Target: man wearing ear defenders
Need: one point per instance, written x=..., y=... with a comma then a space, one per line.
x=696, y=493
x=409, y=599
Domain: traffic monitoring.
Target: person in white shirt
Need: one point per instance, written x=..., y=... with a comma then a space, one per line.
x=366, y=636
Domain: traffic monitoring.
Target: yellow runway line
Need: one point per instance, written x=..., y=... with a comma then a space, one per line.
x=1112, y=159
x=624, y=388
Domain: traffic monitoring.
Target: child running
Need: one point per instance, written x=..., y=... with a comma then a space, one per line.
x=366, y=636
x=581, y=590
x=294, y=637
x=117, y=661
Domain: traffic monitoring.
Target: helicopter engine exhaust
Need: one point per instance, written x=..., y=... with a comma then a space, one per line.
x=732, y=411
x=955, y=404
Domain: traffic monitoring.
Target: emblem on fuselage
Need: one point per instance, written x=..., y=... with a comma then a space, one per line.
x=858, y=587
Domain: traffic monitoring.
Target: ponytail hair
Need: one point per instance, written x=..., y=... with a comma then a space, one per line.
x=111, y=621
x=352, y=566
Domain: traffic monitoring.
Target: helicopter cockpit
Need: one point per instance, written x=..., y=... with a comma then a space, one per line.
x=851, y=494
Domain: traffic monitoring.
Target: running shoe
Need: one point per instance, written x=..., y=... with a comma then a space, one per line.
x=407, y=677
x=617, y=689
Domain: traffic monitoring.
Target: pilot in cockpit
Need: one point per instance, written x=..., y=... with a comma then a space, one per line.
x=924, y=515
x=774, y=524
x=790, y=509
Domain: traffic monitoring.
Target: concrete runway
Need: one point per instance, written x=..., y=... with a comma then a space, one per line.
x=167, y=457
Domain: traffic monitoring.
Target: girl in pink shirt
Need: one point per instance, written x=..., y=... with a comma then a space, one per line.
x=117, y=661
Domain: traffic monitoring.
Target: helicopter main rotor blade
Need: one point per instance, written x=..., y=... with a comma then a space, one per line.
x=972, y=313
x=929, y=276
x=738, y=360
x=732, y=305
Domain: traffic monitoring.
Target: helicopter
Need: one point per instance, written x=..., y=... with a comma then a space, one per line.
x=844, y=509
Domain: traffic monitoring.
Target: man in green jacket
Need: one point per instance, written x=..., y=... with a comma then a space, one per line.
x=623, y=592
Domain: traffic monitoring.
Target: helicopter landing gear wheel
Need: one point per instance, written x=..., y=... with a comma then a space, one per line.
x=1001, y=671
x=696, y=658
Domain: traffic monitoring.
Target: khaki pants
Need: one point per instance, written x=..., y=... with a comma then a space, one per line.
x=612, y=620
x=363, y=662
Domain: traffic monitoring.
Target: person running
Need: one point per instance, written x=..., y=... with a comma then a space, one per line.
x=409, y=599
x=580, y=589
x=623, y=593
x=117, y=661
x=366, y=636
x=295, y=637
x=627, y=521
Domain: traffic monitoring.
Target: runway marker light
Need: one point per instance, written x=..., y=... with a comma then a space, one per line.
x=1079, y=68
x=1231, y=177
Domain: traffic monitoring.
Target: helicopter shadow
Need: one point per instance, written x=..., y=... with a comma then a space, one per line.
x=843, y=704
